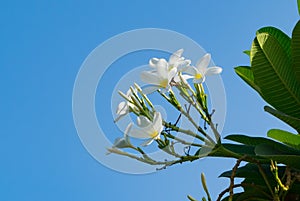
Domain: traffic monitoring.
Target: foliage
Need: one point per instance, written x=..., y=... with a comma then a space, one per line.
x=274, y=74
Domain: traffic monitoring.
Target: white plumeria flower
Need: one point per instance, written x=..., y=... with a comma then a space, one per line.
x=124, y=142
x=175, y=61
x=164, y=72
x=147, y=129
x=201, y=70
x=124, y=107
x=160, y=78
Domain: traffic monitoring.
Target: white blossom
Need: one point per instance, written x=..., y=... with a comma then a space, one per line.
x=201, y=70
x=147, y=129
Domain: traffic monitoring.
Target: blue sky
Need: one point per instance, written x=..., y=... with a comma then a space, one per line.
x=43, y=44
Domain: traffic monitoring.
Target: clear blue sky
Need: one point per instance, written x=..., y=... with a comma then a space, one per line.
x=43, y=44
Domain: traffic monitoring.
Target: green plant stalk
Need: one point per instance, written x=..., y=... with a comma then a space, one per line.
x=181, y=130
x=196, y=126
x=183, y=141
x=203, y=180
x=180, y=109
x=189, y=99
x=274, y=170
x=193, y=103
x=191, y=198
x=144, y=95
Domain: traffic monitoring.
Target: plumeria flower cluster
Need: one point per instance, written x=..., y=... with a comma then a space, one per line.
x=150, y=126
x=165, y=73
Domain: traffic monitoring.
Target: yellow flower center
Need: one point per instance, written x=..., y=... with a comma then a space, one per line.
x=164, y=83
x=153, y=134
x=198, y=76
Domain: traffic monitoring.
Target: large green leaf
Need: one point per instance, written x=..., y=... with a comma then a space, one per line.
x=252, y=141
x=272, y=69
x=270, y=149
x=292, y=121
x=298, y=2
x=295, y=48
x=286, y=157
x=283, y=39
x=285, y=137
x=246, y=74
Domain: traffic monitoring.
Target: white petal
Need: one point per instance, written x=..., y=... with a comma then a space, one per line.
x=122, y=108
x=175, y=56
x=128, y=128
x=143, y=121
x=172, y=74
x=162, y=68
x=157, y=122
x=191, y=70
x=148, y=142
x=199, y=81
x=183, y=64
x=153, y=62
x=150, y=78
x=118, y=118
x=178, y=53
x=150, y=89
x=186, y=77
x=139, y=133
x=203, y=63
x=118, y=141
x=213, y=71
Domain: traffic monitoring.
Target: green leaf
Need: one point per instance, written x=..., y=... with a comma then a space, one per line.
x=298, y=2
x=250, y=170
x=247, y=52
x=291, y=121
x=286, y=157
x=285, y=137
x=295, y=48
x=271, y=64
x=283, y=39
x=252, y=141
x=246, y=74
x=257, y=141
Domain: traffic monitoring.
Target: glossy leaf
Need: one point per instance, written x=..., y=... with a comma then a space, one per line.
x=250, y=170
x=298, y=2
x=285, y=137
x=272, y=70
x=291, y=121
x=247, y=52
x=252, y=141
x=246, y=74
x=283, y=39
x=295, y=48
x=286, y=157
